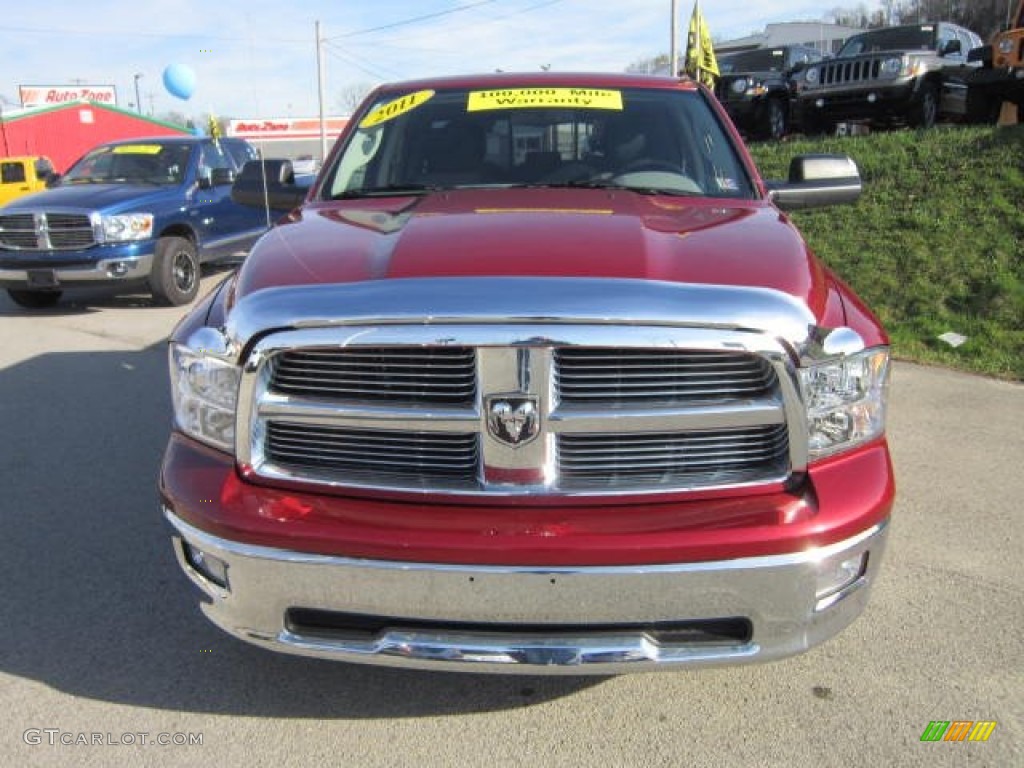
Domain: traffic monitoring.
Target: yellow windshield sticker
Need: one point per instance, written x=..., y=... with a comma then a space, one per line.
x=394, y=108
x=523, y=98
x=137, y=149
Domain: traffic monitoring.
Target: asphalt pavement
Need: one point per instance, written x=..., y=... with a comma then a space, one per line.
x=104, y=651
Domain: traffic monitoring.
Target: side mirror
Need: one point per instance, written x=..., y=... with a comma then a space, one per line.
x=951, y=47
x=221, y=176
x=797, y=68
x=982, y=54
x=268, y=183
x=816, y=181
x=52, y=180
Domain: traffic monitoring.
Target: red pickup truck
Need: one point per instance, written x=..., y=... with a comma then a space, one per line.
x=538, y=377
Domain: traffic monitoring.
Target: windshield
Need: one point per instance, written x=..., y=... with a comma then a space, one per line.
x=149, y=162
x=760, y=60
x=920, y=38
x=649, y=140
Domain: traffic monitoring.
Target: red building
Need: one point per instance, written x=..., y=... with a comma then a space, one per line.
x=64, y=133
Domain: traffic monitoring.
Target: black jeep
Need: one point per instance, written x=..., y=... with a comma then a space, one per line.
x=756, y=87
x=910, y=75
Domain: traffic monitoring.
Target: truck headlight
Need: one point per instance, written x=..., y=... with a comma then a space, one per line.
x=1006, y=46
x=124, y=227
x=846, y=400
x=205, y=392
x=739, y=85
x=811, y=76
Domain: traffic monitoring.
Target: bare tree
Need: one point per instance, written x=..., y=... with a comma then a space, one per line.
x=660, y=64
x=351, y=96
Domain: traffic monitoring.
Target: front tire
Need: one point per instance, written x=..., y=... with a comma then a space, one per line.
x=925, y=111
x=775, y=122
x=175, y=276
x=34, y=299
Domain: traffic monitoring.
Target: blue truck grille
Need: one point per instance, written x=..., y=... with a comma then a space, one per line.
x=46, y=231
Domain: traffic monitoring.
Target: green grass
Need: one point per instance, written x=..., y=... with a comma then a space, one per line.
x=936, y=242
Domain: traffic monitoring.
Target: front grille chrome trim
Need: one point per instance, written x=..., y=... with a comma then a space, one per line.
x=49, y=230
x=527, y=354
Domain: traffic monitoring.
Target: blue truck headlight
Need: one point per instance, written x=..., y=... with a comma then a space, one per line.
x=125, y=227
x=846, y=400
x=205, y=391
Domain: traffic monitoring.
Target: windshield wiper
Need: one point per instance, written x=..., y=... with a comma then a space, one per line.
x=390, y=190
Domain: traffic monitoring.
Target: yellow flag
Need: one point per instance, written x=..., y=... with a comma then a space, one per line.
x=700, y=54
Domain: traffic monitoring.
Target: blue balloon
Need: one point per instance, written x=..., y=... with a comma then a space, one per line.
x=180, y=80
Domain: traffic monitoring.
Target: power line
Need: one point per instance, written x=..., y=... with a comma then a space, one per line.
x=133, y=33
x=415, y=19
x=379, y=73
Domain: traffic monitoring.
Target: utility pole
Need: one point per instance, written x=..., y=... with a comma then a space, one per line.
x=138, y=99
x=320, y=93
x=674, y=44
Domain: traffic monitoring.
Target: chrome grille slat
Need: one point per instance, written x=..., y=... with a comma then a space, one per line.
x=680, y=457
x=408, y=454
x=384, y=374
x=628, y=375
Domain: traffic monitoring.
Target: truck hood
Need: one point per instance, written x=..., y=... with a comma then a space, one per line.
x=112, y=198
x=538, y=233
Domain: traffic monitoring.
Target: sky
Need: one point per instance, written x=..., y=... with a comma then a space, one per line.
x=257, y=58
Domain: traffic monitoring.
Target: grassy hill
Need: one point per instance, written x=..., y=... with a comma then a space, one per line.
x=936, y=242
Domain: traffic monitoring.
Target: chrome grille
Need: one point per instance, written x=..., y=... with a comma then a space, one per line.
x=406, y=375
x=855, y=71
x=697, y=457
x=46, y=231
x=69, y=230
x=399, y=455
x=18, y=230
x=628, y=376
x=660, y=410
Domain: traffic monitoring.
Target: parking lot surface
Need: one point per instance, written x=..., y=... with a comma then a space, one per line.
x=104, y=643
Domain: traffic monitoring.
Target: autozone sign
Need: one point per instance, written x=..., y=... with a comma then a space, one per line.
x=49, y=95
x=284, y=128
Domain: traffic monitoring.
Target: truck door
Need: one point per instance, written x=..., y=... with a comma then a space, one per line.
x=225, y=225
x=13, y=181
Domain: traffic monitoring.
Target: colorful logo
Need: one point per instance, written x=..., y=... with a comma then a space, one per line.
x=958, y=730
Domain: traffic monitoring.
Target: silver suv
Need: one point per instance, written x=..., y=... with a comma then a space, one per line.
x=911, y=75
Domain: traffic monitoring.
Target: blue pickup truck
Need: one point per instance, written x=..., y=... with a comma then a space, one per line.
x=145, y=212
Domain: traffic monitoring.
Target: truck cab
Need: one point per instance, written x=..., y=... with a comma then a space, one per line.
x=23, y=175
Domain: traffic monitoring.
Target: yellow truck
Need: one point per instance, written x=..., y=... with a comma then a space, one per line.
x=22, y=175
x=1000, y=79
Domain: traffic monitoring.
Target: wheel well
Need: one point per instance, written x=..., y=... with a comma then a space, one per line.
x=179, y=230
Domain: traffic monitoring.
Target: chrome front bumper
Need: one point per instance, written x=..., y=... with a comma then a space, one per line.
x=779, y=595
x=112, y=270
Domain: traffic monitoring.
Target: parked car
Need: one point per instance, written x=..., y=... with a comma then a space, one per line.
x=23, y=175
x=144, y=212
x=1000, y=76
x=537, y=378
x=756, y=87
x=909, y=75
